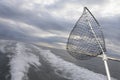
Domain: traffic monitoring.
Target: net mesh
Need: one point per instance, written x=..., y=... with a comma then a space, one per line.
x=82, y=43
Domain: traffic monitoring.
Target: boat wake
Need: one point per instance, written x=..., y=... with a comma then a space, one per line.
x=22, y=56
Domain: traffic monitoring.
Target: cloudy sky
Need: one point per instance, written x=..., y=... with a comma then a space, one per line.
x=49, y=22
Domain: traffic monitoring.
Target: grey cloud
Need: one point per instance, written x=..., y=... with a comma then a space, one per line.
x=51, y=40
x=8, y=33
x=45, y=22
x=48, y=22
x=61, y=3
x=111, y=28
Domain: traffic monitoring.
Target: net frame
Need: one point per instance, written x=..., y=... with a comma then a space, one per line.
x=82, y=43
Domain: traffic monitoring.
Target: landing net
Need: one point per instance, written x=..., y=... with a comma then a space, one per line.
x=82, y=43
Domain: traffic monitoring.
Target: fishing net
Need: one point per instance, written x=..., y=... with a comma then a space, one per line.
x=82, y=43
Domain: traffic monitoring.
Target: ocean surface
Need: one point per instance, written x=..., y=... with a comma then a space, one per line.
x=23, y=61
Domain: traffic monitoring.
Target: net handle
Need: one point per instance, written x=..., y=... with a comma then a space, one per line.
x=104, y=55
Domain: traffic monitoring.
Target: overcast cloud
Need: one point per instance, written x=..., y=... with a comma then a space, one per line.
x=49, y=22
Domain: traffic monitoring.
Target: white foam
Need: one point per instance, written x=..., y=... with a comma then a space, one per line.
x=21, y=57
x=69, y=70
x=21, y=61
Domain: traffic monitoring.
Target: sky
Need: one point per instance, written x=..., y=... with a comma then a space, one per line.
x=49, y=22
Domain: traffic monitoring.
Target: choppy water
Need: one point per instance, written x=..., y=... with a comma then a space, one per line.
x=22, y=61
